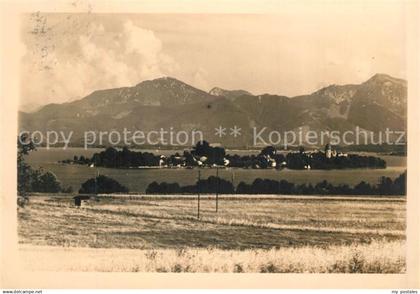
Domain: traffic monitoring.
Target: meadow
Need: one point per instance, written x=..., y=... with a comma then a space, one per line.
x=247, y=234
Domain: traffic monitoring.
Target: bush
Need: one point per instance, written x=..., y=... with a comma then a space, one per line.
x=48, y=183
x=44, y=182
x=103, y=185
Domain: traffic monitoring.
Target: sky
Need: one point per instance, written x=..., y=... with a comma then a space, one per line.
x=290, y=52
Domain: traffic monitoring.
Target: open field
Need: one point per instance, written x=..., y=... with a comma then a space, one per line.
x=272, y=234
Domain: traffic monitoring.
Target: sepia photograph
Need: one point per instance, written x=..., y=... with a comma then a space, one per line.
x=251, y=142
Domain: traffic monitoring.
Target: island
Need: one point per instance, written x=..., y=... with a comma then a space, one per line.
x=205, y=155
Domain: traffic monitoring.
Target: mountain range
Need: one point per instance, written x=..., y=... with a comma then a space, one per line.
x=374, y=105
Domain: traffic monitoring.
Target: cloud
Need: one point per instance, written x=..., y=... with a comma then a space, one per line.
x=95, y=59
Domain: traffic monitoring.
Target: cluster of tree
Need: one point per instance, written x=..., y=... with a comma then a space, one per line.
x=318, y=160
x=210, y=185
x=38, y=181
x=270, y=158
x=78, y=160
x=378, y=148
x=267, y=158
x=124, y=158
x=207, y=154
x=386, y=186
x=34, y=180
x=178, y=160
x=46, y=182
x=102, y=185
x=203, y=154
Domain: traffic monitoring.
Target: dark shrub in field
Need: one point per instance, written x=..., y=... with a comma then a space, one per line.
x=163, y=188
x=47, y=183
x=102, y=184
x=215, y=184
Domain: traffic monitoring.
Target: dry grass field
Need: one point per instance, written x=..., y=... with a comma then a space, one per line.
x=247, y=234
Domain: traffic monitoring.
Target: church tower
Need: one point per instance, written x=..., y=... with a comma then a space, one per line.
x=328, y=151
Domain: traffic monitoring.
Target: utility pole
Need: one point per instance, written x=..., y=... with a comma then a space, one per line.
x=198, y=194
x=233, y=178
x=217, y=189
x=96, y=182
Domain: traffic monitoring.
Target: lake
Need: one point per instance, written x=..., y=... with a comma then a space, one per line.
x=137, y=180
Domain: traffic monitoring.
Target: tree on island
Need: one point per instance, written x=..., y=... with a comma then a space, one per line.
x=268, y=151
x=202, y=148
x=214, y=155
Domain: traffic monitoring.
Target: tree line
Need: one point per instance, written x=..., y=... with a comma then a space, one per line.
x=385, y=186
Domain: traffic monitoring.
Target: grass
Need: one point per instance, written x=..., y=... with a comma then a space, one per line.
x=295, y=234
x=376, y=257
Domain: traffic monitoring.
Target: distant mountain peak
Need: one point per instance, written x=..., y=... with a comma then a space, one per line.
x=230, y=94
x=168, y=79
x=339, y=93
x=381, y=78
x=162, y=80
x=377, y=83
x=216, y=91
